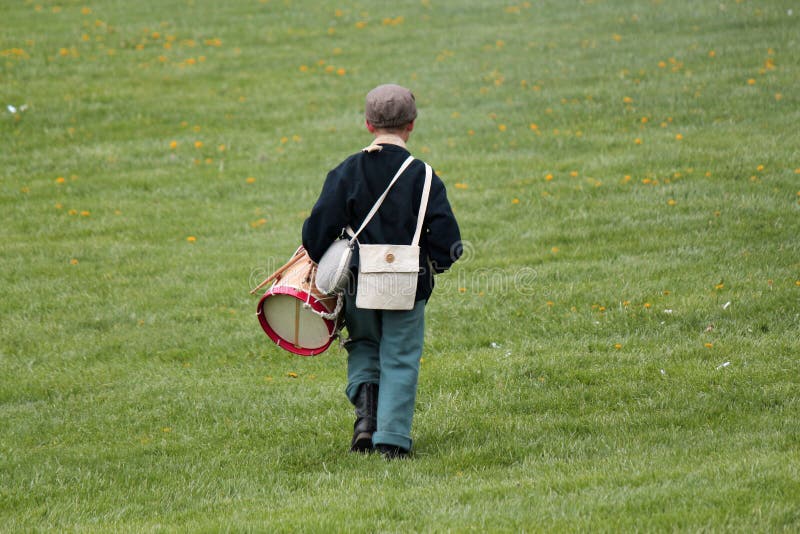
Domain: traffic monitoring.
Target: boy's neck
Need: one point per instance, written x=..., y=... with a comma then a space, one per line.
x=389, y=139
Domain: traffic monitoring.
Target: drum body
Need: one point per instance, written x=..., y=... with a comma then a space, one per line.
x=291, y=311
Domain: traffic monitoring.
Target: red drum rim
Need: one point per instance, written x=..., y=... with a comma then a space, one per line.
x=282, y=343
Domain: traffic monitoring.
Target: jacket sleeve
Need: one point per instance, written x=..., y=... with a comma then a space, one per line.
x=443, y=235
x=328, y=217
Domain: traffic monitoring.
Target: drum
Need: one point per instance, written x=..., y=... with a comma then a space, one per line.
x=294, y=313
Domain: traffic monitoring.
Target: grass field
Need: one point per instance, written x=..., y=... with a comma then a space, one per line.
x=617, y=351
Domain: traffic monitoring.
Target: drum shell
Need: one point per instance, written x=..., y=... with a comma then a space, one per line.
x=286, y=311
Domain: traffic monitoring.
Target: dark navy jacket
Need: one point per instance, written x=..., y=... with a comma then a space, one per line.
x=351, y=189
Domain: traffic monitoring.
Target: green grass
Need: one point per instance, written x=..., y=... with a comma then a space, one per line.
x=574, y=376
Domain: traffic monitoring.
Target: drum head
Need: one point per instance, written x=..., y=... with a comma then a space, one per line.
x=293, y=326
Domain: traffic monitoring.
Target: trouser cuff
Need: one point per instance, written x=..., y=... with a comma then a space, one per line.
x=391, y=438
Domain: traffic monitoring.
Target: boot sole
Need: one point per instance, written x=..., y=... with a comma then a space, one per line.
x=362, y=443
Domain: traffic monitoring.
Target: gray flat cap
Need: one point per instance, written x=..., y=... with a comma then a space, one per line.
x=390, y=106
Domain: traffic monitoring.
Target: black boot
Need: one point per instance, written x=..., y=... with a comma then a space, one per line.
x=366, y=418
x=392, y=452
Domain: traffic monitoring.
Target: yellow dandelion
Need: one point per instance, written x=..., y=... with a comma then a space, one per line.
x=751, y=81
x=712, y=53
x=221, y=148
x=460, y=185
x=550, y=303
x=462, y=289
x=250, y=180
x=647, y=305
x=515, y=201
x=627, y=100
x=644, y=120
x=72, y=212
x=73, y=261
x=361, y=24
x=303, y=68
x=573, y=174
x=637, y=141
x=85, y=213
x=662, y=64
x=778, y=97
x=58, y=205
x=678, y=137
x=60, y=180
x=341, y=72
x=760, y=168
x=191, y=239
x=534, y=127
x=671, y=202
x=86, y=11
x=173, y=145
x=554, y=250
x=549, y=177
x=797, y=283
x=166, y=430
x=719, y=286
x=501, y=127
x=708, y=345
x=198, y=144
x=617, y=346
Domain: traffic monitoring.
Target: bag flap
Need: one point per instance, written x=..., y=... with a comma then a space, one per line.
x=388, y=258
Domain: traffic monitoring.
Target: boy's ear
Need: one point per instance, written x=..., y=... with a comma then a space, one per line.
x=410, y=126
x=370, y=127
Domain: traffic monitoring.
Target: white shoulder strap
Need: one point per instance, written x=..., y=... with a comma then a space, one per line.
x=423, y=203
x=380, y=200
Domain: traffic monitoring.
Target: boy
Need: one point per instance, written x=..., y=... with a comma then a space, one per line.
x=384, y=347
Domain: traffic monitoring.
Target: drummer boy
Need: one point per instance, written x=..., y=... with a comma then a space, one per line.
x=385, y=346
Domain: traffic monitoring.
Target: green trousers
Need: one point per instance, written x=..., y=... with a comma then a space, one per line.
x=384, y=348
